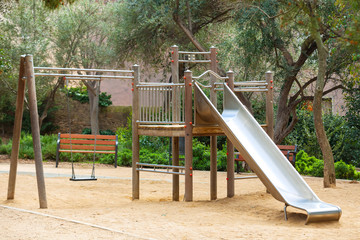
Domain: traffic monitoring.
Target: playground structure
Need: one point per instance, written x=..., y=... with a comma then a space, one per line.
x=27, y=74
x=243, y=132
x=165, y=109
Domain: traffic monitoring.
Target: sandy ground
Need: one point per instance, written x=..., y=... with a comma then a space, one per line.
x=103, y=209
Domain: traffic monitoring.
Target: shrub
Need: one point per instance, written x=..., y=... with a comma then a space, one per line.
x=341, y=134
x=81, y=94
x=125, y=158
x=315, y=167
x=6, y=148
x=101, y=132
x=345, y=171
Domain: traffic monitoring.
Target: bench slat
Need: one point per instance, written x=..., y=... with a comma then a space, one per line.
x=86, y=147
x=83, y=151
x=286, y=147
x=87, y=136
x=77, y=141
x=283, y=148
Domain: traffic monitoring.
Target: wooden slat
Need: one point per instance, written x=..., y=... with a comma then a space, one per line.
x=89, y=147
x=83, y=151
x=87, y=136
x=286, y=147
x=98, y=142
x=283, y=148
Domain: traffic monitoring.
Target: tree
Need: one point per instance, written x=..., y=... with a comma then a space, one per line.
x=81, y=40
x=268, y=35
x=311, y=8
x=25, y=30
x=150, y=27
x=275, y=33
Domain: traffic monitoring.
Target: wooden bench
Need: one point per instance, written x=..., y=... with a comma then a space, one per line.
x=84, y=143
x=289, y=151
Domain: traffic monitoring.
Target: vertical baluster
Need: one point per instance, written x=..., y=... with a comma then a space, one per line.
x=152, y=104
x=162, y=104
x=157, y=104
x=141, y=104
x=183, y=103
x=147, y=103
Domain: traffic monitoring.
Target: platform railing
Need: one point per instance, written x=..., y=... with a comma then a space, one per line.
x=161, y=103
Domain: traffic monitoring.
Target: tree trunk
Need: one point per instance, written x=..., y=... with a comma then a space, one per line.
x=282, y=125
x=94, y=106
x=329, y=168
x=50, y=99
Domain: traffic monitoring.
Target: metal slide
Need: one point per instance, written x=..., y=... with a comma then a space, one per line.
x=263, y=156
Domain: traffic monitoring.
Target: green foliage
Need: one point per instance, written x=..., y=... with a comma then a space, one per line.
x=125, y=158
x=201, y=155
x=48, y=146
x=81, y=32
x=309, y=165
x=102, y=132
x=5, y=148
x=147, y=27
x=81, y=94
x=340, y=132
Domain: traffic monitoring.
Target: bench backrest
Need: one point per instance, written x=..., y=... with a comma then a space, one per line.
x=85, y=142
x=288, y=150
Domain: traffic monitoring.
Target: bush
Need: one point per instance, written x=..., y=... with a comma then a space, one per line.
x=125, y=158
x=341, y=134
x=345, y=171
x=6, y=148
x=48, y=146
x=101, y=132
x=315, y=167
x=81, y=94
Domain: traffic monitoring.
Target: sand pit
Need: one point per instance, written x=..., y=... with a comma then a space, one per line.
x=103, y=209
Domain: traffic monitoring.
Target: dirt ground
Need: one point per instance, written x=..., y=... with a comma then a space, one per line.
x=103, y=209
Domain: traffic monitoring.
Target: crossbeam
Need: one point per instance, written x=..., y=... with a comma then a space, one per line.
x=154, y=168
x=79, y=76
x=82, y=69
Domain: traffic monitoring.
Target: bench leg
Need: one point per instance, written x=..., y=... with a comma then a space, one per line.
x=237, y=167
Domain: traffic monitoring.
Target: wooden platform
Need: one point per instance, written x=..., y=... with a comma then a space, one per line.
x=179, y=130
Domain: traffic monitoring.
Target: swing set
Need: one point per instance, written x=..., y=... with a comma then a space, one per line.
x=27, y=76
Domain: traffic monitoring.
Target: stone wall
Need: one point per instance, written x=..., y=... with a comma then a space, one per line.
x=111, y=117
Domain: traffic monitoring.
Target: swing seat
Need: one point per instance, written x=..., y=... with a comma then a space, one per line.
x=83, y=179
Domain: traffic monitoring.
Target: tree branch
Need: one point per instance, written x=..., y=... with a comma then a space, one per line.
x=189, y=34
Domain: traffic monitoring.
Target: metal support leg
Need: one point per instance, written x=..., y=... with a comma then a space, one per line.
x=286, y=218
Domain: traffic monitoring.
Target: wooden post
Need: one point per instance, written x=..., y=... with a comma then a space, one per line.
x=175, y=162
x=176, y=118
x=175, y=64
x=17, y=130
x=230, y=149
x=213, y=139
x=35, y=129
x=135, y=134
x=188, y=137
x=269, y=104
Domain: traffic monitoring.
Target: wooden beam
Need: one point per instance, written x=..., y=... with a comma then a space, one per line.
x=213, y=139
x=135, y=134
x=17, y=130
x=269, y=76
x=188, y=137
x=175, y=162
x=230, y=177
x=35, y=129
